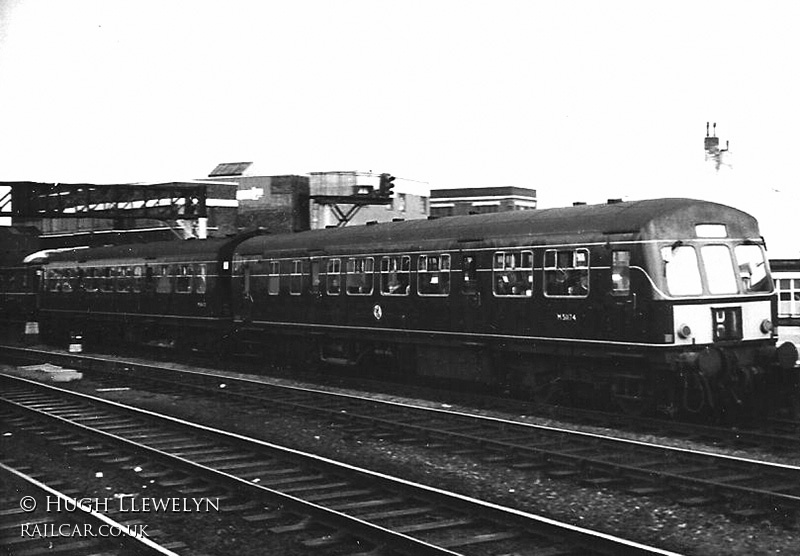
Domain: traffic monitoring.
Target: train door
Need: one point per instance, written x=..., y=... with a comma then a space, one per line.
x=470, y=305
x=511, y=291
x=243, y=296
x=314, y=303
x=333, y=305
x=621, y=306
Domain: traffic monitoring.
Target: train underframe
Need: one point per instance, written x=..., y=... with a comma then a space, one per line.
x=720, y=382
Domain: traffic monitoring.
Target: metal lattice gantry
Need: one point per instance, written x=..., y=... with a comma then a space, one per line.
x=162, y=201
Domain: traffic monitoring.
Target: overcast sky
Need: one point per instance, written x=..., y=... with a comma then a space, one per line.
x=581, y=100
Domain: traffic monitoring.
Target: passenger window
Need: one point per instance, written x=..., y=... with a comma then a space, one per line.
x=433, y=275
x=107, y=280
x=183, y=282
x=296, y=278
x=359, y=275
x=620, y=273
x=53, y=278
x=149, y=279
x=274, y=278
x=334, y=276
x=164, y=280
x=469, y=275
x=395, y=275
x=137, y=279
x=315, y=282
x=67, y=278
x=89, y=280
x=513, y=273
x=200, y=278
x=123, y=279
x=566, y=272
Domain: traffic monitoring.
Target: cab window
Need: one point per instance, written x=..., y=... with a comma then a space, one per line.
x=681, y=270
x=752, y=269
x=719, y=270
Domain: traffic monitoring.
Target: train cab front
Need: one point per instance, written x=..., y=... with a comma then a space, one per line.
x=718, y=307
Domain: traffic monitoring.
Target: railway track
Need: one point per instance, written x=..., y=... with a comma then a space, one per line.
x=350, y=502
x=741, y=487
x=778, y=435
x=68, y=528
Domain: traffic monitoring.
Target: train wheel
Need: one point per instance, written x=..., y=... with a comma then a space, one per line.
x=629, y=393
x=635, y=407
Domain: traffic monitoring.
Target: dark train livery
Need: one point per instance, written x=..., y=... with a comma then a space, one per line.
x=659, y=304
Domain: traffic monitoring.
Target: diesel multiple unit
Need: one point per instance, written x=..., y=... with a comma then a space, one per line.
x=652, y=305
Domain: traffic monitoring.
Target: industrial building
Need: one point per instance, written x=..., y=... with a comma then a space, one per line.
x=480, y=200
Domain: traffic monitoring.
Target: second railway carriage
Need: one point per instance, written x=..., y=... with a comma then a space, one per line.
x=661, y=302
x=174, y=292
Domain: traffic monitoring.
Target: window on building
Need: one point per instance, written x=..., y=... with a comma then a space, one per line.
x=513, y=273
x=789, y=297
x=485, y=209
x=566, y=272
x=433, y=274
x=441, y=212
x=395, y=275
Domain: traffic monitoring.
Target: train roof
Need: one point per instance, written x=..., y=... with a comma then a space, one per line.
x=193, y=249
x=664, y=218
x=654, y=218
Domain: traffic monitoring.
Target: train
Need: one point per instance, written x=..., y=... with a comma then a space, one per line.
x=662, y=306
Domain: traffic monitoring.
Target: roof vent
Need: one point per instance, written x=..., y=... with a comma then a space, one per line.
x=614, y=201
